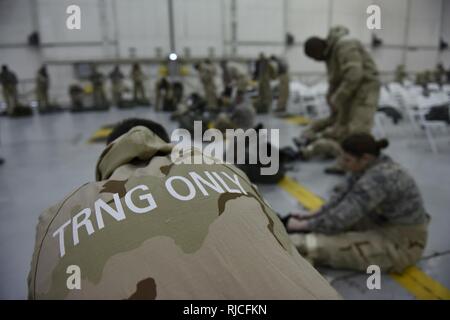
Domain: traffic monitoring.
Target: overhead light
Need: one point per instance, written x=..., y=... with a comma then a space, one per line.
x=173, y=56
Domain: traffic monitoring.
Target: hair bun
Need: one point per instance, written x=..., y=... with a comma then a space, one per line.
x=382, y=144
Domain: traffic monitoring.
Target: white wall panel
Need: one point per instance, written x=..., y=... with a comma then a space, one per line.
x=260, y=20
x=254, y=51
x=53, y=16
x=16, y=21
x=307, y=18
x=72, y=53
x=420, y=60
x=142, y=25
x=199, y=26
x=425, y=22
x=16, y=24
x=445, y=27
x=387, y=59
x=393, y=21
x=299, y=62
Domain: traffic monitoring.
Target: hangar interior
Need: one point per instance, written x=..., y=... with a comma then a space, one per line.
x=47, y=156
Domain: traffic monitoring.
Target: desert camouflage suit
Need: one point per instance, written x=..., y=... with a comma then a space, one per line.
x=138, y=84
x=42, y=85
x=283, y=85
x=116, y=77
x=265, y=73
x=9, y=82
x=376, y=217
x=240, y=81
x=400, y=74
x=98, y=91
x=222, y=245
x=353, y=90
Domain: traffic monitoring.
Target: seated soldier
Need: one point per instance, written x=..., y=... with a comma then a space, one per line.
x=376, y=217
x=241, y=116
x=150, y=228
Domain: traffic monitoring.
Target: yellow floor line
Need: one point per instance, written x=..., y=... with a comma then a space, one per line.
x=421, y=285
x=414, y=280
x=308, y=199
x=297, y=120
x=100, y=134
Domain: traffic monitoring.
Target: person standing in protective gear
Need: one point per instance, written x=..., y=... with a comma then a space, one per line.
x=354, y=88
x=283, y=84
x=98, y=91
x=42, y=86
x=226, y=75
x=400, y=74
x=138, y=84
x=264, y=73
x=439, y=74
x=9, y=85
x=134, y=235
x=207, y=74
x=162, y=88
x=240, y=82
x=376, y=217
x=116, y=77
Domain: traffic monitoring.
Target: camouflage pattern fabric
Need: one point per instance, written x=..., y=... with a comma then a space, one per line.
x=138, y=85
x=116, y=78
x=207, y=74
x=98, y=90
x=132, y=239
x=376, y=217
x=9, y=85
x=353, y=82
x=283, y=95
x=266, y=73
x=354, y=90
x=42, y=85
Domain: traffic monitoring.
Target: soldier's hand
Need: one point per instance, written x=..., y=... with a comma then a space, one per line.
x=296, y=225
x=301, y=215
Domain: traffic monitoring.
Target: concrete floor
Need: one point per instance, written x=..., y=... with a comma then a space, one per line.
x=48, y=156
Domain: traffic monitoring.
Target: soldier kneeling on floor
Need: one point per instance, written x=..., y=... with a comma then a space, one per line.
x=151, y=228
x=376, y=217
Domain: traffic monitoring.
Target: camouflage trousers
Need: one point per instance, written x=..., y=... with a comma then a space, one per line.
x=283, y=94
x=325, y=148
x=116, y=91
x=392, y=248
x=319, y=145
x=264, y=101
x=99, y=96
x=138, y=91
x=358, y=114
x=319, y=128
x=42, y=97
x=10, y=95
x=210, y=96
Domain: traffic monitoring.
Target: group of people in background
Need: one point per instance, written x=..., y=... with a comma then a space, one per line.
x=439, y=75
